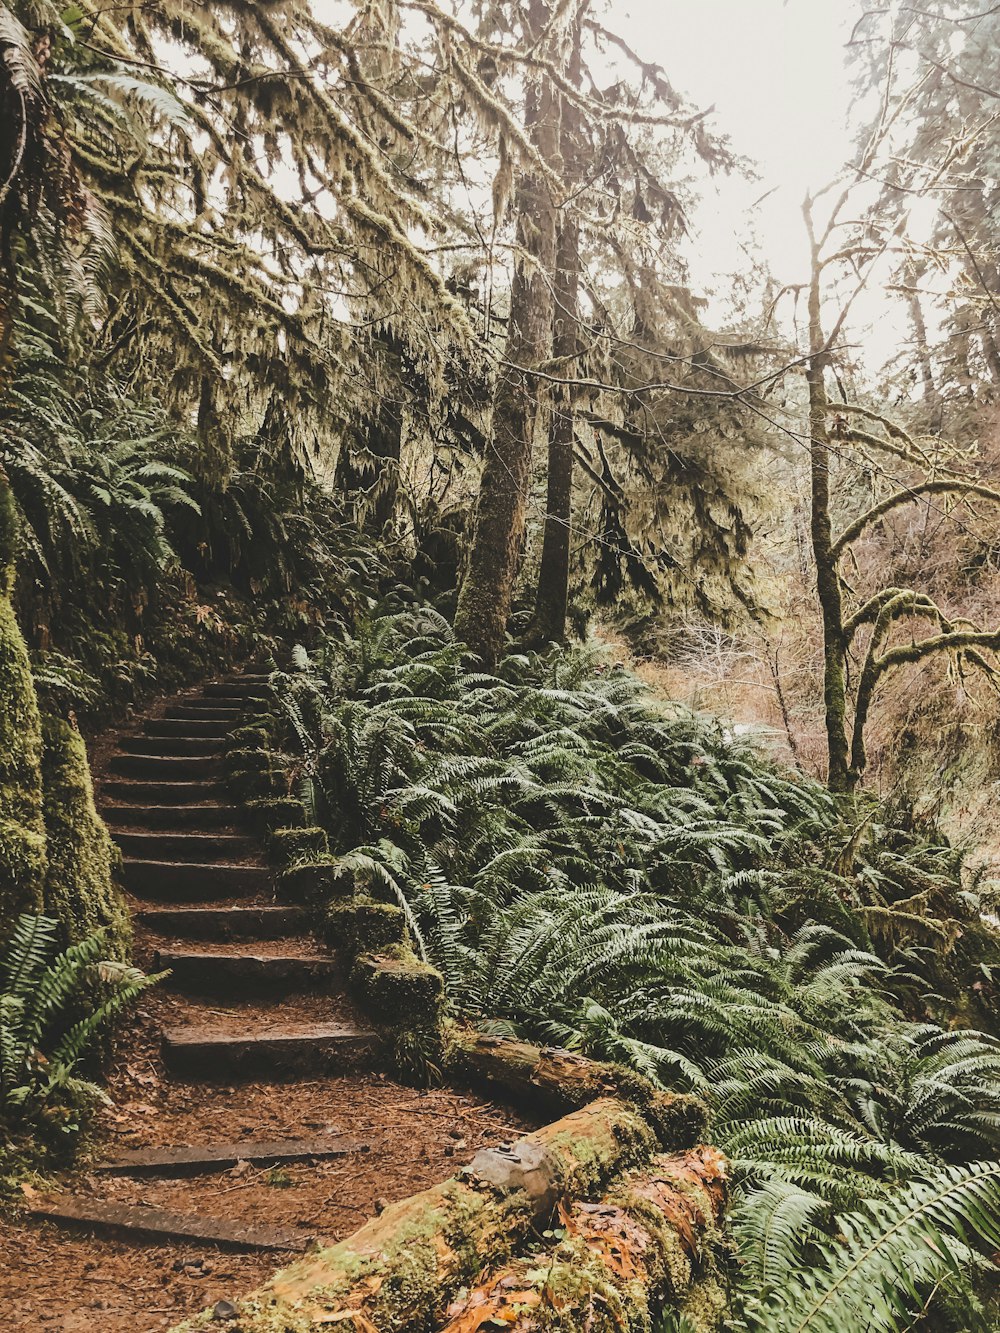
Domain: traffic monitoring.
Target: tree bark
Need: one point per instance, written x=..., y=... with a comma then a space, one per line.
x=618, y=1262
x=552, y=596
x=501, y=511
x=839, y=774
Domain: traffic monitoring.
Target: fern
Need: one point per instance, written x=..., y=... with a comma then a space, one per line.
x=588, y=869
x=891, y=1256
x=50, y=1018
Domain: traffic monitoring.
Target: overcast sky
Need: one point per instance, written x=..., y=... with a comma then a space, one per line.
x=774, y=70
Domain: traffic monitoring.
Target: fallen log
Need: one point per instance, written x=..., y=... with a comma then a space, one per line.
x=556, y=1080
x=400, y=1270
x=644, y=1245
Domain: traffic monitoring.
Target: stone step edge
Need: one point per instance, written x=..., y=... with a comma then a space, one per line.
x=146, y=1223
x=198, y=1160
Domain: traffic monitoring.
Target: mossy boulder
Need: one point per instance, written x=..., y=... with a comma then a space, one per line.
x=80, y=888
x=276, y=812
x=288, y=846
x=22, y=828
x=260, y=784
x=251, y=760
x=316, y=881
x=251, y=736
x=398, y=990
x=362, y=925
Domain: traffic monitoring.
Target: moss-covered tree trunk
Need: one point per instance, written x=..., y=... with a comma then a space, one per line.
x=619, y=1262
x=839, y=774
x=22, y=829
x=399, y=1271
x=501, y=511
x=80, y=890
x=552, y=597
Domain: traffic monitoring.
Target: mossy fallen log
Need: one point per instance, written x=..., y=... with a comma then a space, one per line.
x=400, y=1270
x=558, y=1080
x=645, y=1245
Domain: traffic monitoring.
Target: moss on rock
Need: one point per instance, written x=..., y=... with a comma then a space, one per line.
x=362, y=925
x=288, y=846
x=398, y=990
x=315, y=882
x=80, y=888
x=277, y=812
x=22, y=828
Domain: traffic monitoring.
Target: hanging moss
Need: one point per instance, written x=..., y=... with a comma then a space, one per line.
x=80, y=888
x=22, y=831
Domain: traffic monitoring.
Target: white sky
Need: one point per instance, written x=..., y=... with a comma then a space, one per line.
x=774, y=70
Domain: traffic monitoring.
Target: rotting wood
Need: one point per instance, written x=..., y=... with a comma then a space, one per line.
x=401, y=1268
x=618, y=1260
x=192, y=1161
x=559, y=1080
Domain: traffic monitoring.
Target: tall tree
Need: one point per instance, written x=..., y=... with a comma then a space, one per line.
x=907, y=471
x=552, y=595
x=501, y=508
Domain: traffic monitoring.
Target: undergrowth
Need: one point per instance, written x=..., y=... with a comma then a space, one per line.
x=592, y=867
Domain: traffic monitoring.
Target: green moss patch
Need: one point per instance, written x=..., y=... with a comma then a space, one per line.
x=397, y=989
x=22, y=827
x=80, y=890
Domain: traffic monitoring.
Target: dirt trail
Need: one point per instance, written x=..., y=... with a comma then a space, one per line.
x=253, y=1050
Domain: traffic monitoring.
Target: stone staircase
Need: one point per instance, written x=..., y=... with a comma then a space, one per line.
x=258, y=996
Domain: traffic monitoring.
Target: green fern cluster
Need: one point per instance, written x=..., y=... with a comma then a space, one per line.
x=52, y=1010
x=593, y=869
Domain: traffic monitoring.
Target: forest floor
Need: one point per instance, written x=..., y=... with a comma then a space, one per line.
x=396, y=1140
x=63, y=1282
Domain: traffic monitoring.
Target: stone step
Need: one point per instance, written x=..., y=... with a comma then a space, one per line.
x=197, y=746
x=164, y=793
x=173, y=816
x=226, y=923
x=144, y=1223
x=246, y=973
x=187, y=881
x=195, y=1161
x=165, y=768
x=187, y=727
x=235, y=690
x=204, y=1052
x=202, y=710
x=197, y=847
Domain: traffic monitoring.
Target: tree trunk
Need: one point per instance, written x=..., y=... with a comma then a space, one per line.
x=932, y=399
x=619, y=1262
x=552, y=597
x=501, y=511
x=839, y=774
x=555, y=1080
